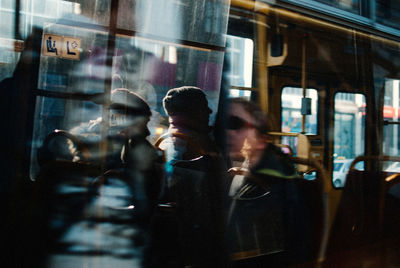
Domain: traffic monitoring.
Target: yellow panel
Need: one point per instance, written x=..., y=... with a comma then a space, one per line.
x=71, y=48
x=52, y=45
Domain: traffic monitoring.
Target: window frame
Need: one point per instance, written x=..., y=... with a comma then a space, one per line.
x=366, y=21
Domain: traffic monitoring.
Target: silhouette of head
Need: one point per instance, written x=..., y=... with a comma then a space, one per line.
x=129, y=111
x=128, y=102
x=189, y=104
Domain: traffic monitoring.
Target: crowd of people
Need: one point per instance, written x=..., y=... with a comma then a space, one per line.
x=211, y=195
x=192, y=201
x=180, y=199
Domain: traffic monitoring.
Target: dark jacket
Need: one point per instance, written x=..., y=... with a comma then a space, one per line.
x=268, y=214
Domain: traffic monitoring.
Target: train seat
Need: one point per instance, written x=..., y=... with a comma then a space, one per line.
x=367, y=218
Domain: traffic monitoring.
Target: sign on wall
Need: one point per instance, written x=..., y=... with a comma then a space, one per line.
x=61, y=46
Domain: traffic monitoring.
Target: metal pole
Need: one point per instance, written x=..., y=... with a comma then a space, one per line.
x=262, y=63
x=303, y=80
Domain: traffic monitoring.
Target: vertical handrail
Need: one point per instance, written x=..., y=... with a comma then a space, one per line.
x=263, y=63
x=303, y=80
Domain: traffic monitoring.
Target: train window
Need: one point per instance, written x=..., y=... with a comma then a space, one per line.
x=80, y=70
x=59, y=114
x=388, y=13
x=9, y=52
x=349, y=133
x=391, y=166
x=150, y=68
x=35, y=13
x=7, y=23
x=145, y=66
x=291, y=110
x=348, y=5
x=391, y=113
x=198, y=21
x=235, y=93
x=240, y=54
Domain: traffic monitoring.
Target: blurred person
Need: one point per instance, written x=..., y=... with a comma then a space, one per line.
x=188, y=132
x=129, y=115
x=128, y=149
x=148, y=93
x=130, y=187
x=194, y=236
x=266, y=201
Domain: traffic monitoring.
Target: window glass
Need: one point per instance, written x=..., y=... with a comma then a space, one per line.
x=35, y=13
x=137, y=63
x=9, y=54
x=151, y=68
x=391, y=135
x=59, y=114
x=240, y=55
x=337, y=166
x=353, y=6
x=8, y=4
x=391, y=166
x=349, y=134
x=388, y=12
x=238, y=93
x=199, y=21
x=146, y=67
x=291, y=110
x=7, y=19
x=72, y=59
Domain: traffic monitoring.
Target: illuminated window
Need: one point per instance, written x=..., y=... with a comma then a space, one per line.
x=349, y=134
x=353, y=6
x=391, y=135
x=240, y=53
x=291, y=110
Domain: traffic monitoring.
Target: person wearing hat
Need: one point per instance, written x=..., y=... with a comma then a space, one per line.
x=122, y=195
x=129, y=115
x=188, y=133
x=128, y=150
x=193, y=182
